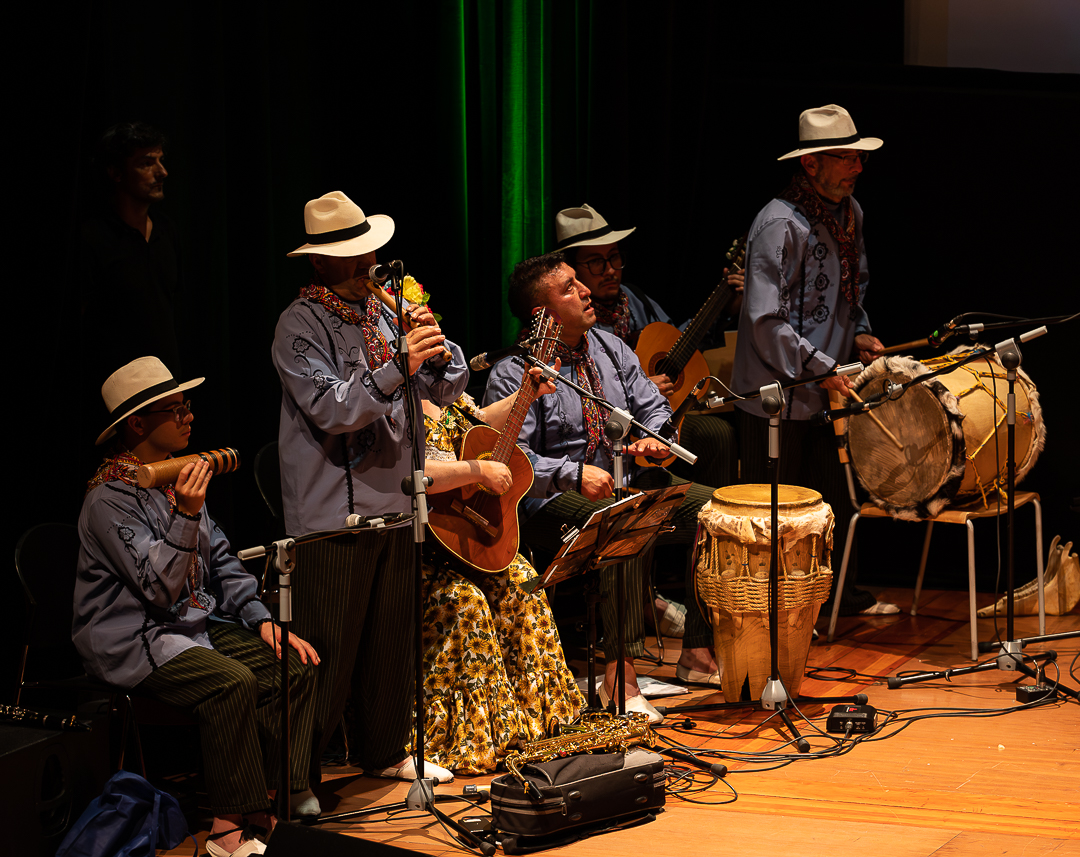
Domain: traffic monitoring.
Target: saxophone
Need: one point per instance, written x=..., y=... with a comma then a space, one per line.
x=593, y=731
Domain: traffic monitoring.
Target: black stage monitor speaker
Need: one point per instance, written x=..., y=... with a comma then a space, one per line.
x=291, y=840
x=49, y=778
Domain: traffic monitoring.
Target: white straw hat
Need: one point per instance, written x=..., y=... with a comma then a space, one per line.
x=135, y=386
x=337, y=227
x=584, y=227
x=828, y=127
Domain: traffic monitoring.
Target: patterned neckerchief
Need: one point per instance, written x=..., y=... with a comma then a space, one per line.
x=801, y=193
x=124, y=466
x=615, y=315
x=379, y=352
x=589, y=378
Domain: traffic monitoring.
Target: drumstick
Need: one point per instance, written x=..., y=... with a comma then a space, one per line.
x=879, y=423
x=905, y=346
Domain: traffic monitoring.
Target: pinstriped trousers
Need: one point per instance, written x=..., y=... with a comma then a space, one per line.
x=233, y=691
x=570, y=507
x=353, y=601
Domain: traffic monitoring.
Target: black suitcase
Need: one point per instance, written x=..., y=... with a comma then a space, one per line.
x=577, y=796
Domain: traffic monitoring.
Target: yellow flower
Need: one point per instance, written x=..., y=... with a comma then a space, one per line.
x=413, y=291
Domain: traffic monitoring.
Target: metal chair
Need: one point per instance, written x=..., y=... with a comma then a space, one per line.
x=964, y=515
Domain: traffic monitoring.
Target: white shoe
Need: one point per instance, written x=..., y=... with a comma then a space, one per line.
x=408, y=772
x=304, y=805
x=691, y=676
x=673, y=622
x=635, y=703
x=880, y=608
x=247, y=847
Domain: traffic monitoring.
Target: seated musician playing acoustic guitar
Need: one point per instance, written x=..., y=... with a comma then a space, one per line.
x=494, y=670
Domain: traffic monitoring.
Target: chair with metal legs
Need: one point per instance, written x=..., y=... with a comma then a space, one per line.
x=964, y=515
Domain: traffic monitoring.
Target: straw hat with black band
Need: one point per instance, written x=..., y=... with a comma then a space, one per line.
x=134, y=386
x=829, y=127
x=336, y=226
x=584, y=227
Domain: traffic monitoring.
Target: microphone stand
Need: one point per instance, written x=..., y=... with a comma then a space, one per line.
x=1011, y=657
x=282, y=555
x=774, y=696
x=617, y=427
x=421, y=796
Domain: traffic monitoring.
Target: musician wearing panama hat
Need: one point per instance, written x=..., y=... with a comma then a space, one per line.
x=163, y=606
x=803, y=312
x=344, y=442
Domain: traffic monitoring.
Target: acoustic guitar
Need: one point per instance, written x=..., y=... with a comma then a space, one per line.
x=663, y=350
x=475, y=524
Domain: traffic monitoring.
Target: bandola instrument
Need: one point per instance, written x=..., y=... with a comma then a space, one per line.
x=950, y=434
x=663, y=350
x=732, y=576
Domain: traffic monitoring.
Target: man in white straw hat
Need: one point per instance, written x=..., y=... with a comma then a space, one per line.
x=161, y=605
x=803, y=313
x=345, y=445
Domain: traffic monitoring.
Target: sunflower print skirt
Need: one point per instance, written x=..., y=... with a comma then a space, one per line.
x=494, y=670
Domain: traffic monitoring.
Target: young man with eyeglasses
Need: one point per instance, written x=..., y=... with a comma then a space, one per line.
x=803, y=314
x=162, y=606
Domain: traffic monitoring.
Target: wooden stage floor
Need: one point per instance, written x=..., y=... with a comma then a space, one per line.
x=1004, y=785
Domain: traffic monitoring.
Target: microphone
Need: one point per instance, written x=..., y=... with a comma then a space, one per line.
x=672, y=425
x=487, y=359
x=827, y=416
x=379, y=274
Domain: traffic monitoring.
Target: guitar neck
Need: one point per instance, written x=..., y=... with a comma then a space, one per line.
x=546, y=331
x=690, y=339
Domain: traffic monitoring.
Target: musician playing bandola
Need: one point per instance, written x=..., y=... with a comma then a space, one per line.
x=345, y=444
x=161, y=605
x=572, y=458
x=803, y=314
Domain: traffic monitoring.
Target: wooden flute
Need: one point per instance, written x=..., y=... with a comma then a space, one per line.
x=391, y=304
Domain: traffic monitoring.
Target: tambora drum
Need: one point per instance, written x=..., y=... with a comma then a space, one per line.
x=734, y=555
x=950, y=436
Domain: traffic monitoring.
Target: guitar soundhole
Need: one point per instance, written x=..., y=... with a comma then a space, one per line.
x=660, y=365
x=483, y=456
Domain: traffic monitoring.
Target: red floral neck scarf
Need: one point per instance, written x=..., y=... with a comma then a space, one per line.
x=379, y=352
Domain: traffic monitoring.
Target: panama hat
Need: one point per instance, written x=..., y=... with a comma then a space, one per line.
x=828, y=127
x=584, y=227
x=135, y=386
x=337, y=227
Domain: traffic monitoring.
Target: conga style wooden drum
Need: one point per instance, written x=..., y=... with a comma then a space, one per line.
x=734, y=554
x=950, y=434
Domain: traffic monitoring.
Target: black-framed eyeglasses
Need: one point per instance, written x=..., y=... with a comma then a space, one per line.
x=180, y=411
x=850, y=158
x=597, y=264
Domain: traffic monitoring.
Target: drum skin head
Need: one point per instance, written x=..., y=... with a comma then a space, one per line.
x=952, y=430
x=924, y=468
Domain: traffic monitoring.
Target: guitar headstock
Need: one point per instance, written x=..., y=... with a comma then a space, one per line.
x=544, y=331
x=736, y=254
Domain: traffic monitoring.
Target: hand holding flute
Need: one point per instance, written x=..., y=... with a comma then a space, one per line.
x=424, y=337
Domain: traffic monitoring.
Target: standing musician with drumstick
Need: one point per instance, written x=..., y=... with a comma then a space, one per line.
x=345, y=445
x=162, y=606
x=803, y=314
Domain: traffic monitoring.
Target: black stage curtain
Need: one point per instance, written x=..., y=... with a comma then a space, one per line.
x=472, y=123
